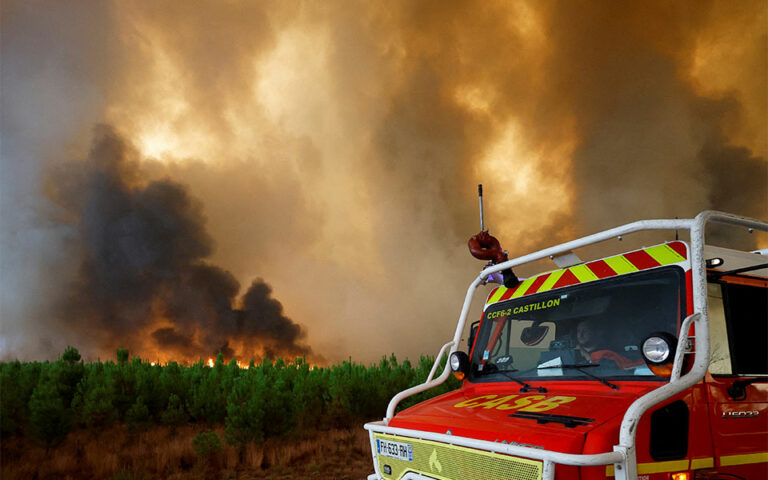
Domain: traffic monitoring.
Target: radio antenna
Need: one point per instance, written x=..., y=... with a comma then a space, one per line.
x=480, y=198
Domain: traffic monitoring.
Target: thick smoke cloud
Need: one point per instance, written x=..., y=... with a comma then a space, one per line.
x=335, y=147
x=649, y=143
x=143, y=271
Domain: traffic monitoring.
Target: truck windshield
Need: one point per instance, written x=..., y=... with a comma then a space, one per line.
x=558, y=333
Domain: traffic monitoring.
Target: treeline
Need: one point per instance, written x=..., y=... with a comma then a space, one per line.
x=44, y=401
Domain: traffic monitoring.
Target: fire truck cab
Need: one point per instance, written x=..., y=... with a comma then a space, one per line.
x=650, y=364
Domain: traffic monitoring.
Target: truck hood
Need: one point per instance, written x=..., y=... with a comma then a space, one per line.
x=558, y=420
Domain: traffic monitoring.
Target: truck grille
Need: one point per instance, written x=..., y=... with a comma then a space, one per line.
x=450, y=462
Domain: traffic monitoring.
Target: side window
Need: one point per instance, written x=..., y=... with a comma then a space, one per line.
x=472, y=335
x=746, y=311
x=720, y=354
x=738, y=329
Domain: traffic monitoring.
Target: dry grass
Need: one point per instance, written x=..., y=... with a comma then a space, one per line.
x=117, y=454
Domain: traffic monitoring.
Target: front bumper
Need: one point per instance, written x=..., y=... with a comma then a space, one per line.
x=442, y=460
x=451, y=457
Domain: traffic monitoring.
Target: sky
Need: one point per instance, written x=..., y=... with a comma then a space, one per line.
x=299, y=178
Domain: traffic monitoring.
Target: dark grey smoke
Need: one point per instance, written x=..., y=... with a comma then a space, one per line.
x=143, y=270
x=262, y=316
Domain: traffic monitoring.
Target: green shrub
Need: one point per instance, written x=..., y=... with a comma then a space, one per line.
x=69, y=370
x=206, y=444
x=49, y=419
x=138, y=415
x=246, y=410
x=209, y=396
x=17, y=382
x=174, y=415
x=93, y=403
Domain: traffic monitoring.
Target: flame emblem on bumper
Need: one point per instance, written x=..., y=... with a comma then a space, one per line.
x=434, y=463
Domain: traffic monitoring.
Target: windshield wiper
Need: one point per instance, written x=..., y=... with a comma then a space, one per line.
x=579, y=366
x=526, y=387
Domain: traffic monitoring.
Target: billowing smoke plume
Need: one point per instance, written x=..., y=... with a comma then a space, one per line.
x=651, y=143
x=335, y=147
x=143, y=273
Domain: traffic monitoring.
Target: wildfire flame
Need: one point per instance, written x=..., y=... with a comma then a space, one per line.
x=211, y=362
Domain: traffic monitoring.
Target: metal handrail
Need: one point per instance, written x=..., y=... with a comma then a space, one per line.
x=624, y=458
x=421, y=387
x=437, y=361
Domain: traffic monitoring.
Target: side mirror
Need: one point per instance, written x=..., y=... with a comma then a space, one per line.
x=472, y=334
x=533, y=335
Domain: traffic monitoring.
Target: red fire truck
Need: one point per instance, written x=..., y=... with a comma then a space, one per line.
x=650, y=364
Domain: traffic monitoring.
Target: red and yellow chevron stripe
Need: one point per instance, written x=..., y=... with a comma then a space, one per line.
x=643, y=259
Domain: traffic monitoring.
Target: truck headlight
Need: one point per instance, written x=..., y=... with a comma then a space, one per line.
x=656, y=349
x=659, y=353
x=459, y=363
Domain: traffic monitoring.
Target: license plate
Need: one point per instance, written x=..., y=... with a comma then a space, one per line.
x=396, y=450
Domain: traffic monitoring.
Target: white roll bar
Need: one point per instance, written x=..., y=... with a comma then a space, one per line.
x=424, y=386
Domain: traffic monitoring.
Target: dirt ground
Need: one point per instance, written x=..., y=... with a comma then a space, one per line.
x=118, y=454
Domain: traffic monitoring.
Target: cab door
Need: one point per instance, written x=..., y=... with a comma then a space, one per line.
x=737, y=392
